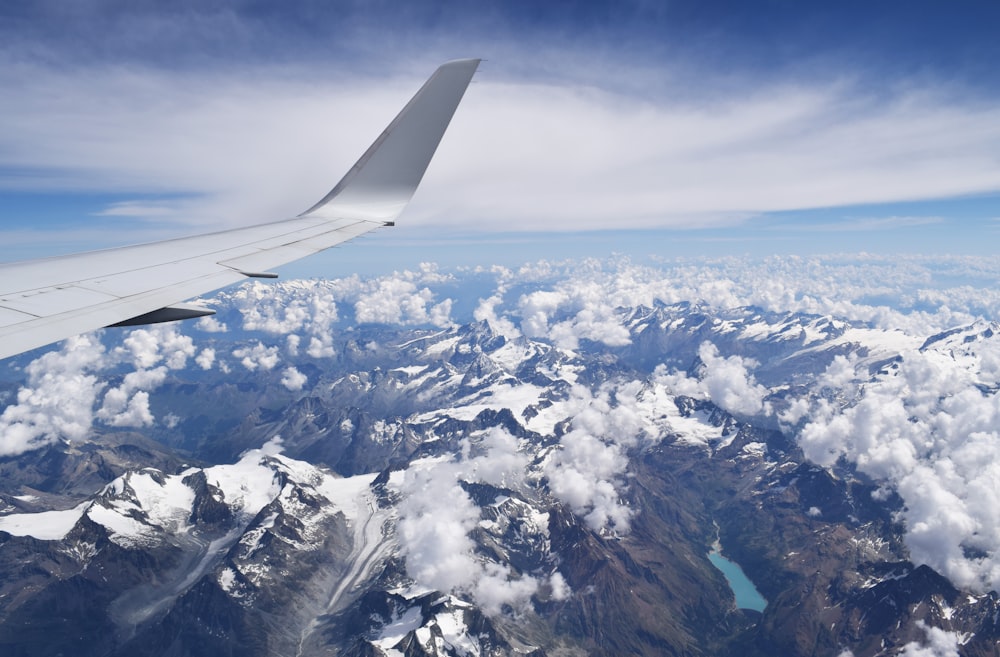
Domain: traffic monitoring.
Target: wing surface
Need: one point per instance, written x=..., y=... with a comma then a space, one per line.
x=45, y=300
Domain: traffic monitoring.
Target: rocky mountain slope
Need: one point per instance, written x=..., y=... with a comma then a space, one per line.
x=459, y=491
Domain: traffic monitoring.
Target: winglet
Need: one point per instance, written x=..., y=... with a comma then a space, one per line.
x=381, y=183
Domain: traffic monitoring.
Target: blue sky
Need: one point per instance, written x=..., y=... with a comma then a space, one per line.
x=655, y=129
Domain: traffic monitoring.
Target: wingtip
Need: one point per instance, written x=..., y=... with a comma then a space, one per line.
x=381, y=182
x=471, y=61
x=468, y=66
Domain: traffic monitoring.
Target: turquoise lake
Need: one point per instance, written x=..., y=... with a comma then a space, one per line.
x=747, y=595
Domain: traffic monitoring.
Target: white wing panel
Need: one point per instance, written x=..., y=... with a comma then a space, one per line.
x=51, y=301
x=148, y=278
x=9, y=317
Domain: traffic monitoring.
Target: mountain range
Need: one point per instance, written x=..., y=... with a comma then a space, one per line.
x=469, y=490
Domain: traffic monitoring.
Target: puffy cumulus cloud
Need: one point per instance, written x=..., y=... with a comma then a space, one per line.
x=841, y=371
x=729, y=383
x=914, y=295
x=927, y=428
x=725, y=380
x=257, y=357
x=495, y=459
x=286, y=308
x=578, y=308
x=162, y=346
x=939, y=643
x=211, y=324
x=133, y=413
x=320, y=347
x=486, y=311
x=205, y=358
x=560, y=589
x=306, y=312
x=127, y=405
x=163, y=342
x=587, y=469
x=295, y=309
x=70, y=389
x=293, y=379
x=58, y=399
x=398, y=301
x=142, y=346
x=580, y=300
x=436, y=516
x=403, y=298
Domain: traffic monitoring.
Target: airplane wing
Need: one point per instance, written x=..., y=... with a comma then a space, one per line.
x=45, y=300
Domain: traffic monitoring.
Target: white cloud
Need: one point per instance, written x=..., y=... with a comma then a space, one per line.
x=647, y=159
x=293, y=379
x=898, y=293
x=211, y=324
x=841, y=371
x=63, y=395
x=306, y=311
x=148, y=346
x=940, y=643
x=127, y=405
x=729, y=383
x=257, y=357
x=586, y=472
x=930, y=431
x=486, y=311
x=321, y=347
x=136, y=412
x=652, y=162
x=589, y=308
x=206, y=358
x=57, y=401
x=398, y=301
x=436, y=516
x=141, y=345
x=560, y=589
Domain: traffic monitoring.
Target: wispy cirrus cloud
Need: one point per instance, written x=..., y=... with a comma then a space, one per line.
x=264, y=142
x=862, y=225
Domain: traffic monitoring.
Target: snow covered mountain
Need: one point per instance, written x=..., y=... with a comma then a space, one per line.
x=488, y=489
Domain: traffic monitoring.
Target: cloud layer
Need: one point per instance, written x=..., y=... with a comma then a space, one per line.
x=560, y=154
x=923, y=426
